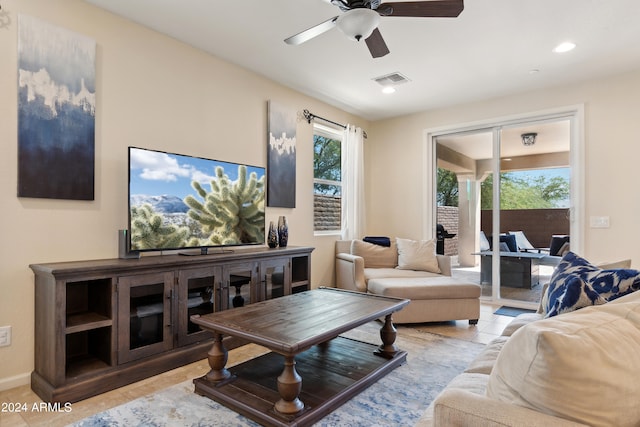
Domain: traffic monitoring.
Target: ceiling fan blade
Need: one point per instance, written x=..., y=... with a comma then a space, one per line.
x=312, y=32
x=376, y=44
x=423, y=9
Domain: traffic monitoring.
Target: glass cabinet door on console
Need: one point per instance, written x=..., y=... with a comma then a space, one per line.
x=238, y=285
x=274, y=278
x=144, y=315
x=198, y=293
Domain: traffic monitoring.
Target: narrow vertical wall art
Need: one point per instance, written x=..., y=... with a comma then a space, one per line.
x=56, y=112
x=281, y=157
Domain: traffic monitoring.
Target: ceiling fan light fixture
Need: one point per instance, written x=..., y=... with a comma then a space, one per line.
x=358, y=24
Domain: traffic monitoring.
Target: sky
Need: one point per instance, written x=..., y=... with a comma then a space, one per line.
x=548, y=173
x=158, y=173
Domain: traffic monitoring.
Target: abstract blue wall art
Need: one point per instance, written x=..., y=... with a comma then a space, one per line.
x=56, y=112
x=281, y=157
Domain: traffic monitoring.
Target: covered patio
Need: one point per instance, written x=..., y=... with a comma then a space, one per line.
x=471, y=158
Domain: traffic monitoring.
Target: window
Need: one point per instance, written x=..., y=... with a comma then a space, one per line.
x=327, y=179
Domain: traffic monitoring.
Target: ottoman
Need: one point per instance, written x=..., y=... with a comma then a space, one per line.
x=433, y=299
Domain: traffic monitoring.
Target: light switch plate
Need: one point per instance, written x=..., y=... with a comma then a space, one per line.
x=599, y=222
x=5, y=336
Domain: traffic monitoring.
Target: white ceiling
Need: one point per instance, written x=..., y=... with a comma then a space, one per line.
x=488, y=51
x=552, y=137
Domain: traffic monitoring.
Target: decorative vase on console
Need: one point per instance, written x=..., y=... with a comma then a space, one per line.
x=272, y=237
x=283, y=231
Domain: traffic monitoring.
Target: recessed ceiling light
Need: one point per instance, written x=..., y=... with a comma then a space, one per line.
x=564, y=47
x=388, y=89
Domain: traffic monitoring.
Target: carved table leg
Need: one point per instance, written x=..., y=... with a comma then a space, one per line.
x=289, y=386
x=217, y=358
x=388, y=335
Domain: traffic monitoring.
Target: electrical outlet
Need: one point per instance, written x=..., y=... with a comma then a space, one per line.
x=5, y=336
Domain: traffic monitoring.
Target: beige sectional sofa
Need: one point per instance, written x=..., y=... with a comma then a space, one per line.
x=421, y=276
x=575, y=369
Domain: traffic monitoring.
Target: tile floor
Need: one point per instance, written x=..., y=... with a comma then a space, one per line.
x=526, y=297
x=489, y=326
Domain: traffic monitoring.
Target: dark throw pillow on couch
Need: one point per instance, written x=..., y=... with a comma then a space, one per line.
x=576, y=283
x=378, y=240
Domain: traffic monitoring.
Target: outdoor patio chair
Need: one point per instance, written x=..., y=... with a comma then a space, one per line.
x=559, y=245
x=507, y=243
x=524, y=245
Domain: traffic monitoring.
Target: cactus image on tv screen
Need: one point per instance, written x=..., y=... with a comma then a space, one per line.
x=179, y=201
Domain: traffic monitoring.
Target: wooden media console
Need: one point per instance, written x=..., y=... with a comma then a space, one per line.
x=103, y=324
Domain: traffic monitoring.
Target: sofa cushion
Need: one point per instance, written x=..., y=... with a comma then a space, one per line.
x=576, y=283
x=425, y=288
x=470, y=381
x=394, y=273
x=375, y=256
x=519, y=321
x=483, y=363
x=417, y=255
x=634, y=296
x=580, y=366
x=625, y=263
x=466, y=382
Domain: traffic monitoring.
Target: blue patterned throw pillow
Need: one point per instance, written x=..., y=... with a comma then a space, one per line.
x=576, y=283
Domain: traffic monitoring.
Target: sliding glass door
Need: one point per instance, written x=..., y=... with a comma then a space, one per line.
x=503, y=198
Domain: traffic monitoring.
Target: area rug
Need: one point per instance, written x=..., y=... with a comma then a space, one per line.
x=512, y=311
x=399, y=398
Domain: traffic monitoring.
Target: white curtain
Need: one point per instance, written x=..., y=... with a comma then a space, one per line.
x=353, y=203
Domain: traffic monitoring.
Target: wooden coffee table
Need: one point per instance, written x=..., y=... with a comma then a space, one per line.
x=311, y=370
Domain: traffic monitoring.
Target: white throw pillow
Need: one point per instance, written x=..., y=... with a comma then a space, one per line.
x=581, y=366
x=417, y=255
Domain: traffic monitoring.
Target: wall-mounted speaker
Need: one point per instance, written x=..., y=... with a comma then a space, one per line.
x=124, y=251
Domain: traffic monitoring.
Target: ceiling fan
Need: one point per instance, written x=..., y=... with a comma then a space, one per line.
x=361, y=17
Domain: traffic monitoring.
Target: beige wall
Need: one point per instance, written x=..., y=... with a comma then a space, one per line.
x=611, y=152
x=154, y=92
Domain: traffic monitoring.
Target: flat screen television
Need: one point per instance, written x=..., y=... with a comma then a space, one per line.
x=183, y=202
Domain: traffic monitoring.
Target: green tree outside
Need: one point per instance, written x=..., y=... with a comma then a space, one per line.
x=447, y=193
x=515, y=192
x=326, y=164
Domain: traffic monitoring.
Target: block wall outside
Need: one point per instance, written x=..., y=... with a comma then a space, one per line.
x=448, y=217
x=327, y=212
x=538, y=224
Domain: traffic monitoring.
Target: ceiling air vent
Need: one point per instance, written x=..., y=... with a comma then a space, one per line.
x=392, y=79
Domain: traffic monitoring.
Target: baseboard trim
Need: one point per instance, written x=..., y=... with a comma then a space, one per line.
x=15, y=381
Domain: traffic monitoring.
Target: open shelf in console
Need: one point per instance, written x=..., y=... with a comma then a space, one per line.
x=89, y=319
x=88, y=305
x=87, y=351
x=300, y=280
